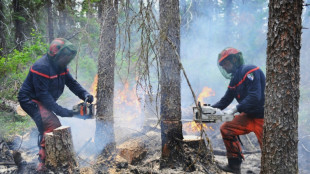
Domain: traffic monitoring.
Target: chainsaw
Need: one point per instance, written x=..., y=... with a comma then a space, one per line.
x=210, y=114
x=83, y=110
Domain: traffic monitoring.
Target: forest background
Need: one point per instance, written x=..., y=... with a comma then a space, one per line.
x=207, y=27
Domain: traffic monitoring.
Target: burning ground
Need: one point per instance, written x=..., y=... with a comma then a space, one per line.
x=138, y=141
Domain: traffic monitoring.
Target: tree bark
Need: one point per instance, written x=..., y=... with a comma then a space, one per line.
x=279, y=152
x=59, y=149
x=228, y=22
x=106, y=61
x=18, y=24
x=100, y=9
x=62, y=23
x=106, y=64
x=2, y=29
x=50, y=22
x=170, y=103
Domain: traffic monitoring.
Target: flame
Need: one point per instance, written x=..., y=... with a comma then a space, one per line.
x=193, y=127
x=93, y=88
x=206, y=92
x=127, y=102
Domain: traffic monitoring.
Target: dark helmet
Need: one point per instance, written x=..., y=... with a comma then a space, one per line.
x=59, y=49
x=228, y=54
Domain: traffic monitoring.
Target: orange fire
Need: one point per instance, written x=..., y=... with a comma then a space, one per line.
x=206, y=92
x=193, y=127
x=126, y=101
x=94, y=88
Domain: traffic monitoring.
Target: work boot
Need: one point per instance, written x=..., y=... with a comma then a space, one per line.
x=233, y=166
x=41, y=167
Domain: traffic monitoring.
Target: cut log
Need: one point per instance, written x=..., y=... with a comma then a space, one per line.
x=11, y=106
x=133, y=150
x=59, y=149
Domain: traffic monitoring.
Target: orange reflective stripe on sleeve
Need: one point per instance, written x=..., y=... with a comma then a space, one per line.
x=243, y=79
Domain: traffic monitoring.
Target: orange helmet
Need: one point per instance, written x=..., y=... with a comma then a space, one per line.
x=227, y=54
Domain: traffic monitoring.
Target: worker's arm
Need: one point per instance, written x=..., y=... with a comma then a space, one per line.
x=41, y=86
x=75, y=87
x=225, y=100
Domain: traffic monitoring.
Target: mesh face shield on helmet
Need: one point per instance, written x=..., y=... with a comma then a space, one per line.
x=61, y=51
x=228, y=54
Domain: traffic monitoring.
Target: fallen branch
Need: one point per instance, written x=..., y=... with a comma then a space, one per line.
x=7, y=163
x=223, y=153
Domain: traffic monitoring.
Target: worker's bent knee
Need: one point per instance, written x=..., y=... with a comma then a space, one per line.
x=224, y=127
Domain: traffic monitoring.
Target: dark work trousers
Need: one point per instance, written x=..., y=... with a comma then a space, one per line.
x=240, y=125
x=45, y=120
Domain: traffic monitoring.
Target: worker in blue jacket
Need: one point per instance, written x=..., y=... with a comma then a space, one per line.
x=44, y=84
x=247, y=86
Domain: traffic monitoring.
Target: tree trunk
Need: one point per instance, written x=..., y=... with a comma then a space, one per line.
x=2, y=29
x=50, y=22
x=59, y=149
x=279, y=152
x=170, y=103
x=18, y=24
x=100, y=9
x=62, y=24
x=106, y=64
x=228, y=22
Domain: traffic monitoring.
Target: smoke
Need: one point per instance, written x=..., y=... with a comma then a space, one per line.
x=208, y=34
x=205, y=32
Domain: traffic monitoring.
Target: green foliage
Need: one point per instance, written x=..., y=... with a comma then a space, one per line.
x=14, y=66
x=12, y=125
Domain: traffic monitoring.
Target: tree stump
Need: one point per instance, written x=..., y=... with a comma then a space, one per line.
x=194, y=141
x=59, y=149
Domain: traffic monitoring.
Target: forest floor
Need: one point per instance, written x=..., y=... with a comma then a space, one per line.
x=90, y=162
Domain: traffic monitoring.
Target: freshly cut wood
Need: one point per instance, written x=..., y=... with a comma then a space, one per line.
x=133, y=150
x=59, y=149
x=193, y=141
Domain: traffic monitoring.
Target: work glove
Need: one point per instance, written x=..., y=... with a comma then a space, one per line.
x=231, y=111
x=65, y=113
x=89, y=98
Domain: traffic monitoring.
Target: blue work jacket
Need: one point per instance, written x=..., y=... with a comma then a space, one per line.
x=247, y=86
x=45, y=83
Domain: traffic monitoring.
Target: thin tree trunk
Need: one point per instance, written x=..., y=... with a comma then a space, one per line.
x=50, y=22
x=2, y=29
x=106, y=65
x=279, y=152
x=18, y=24
x=62, y=23
x=228, y=22
x=100, y=9
x=170, y=104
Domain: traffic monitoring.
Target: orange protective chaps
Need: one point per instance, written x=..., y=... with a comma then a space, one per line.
x=240, y=125
x=50, y=122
